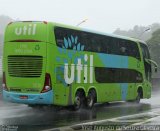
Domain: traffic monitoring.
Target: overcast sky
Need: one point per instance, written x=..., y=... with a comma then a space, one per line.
x=102, y=15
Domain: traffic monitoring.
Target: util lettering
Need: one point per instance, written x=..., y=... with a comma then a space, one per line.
x=79, y=68
x=26, y=30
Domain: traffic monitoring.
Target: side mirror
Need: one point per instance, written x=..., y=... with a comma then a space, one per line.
x=154, y=63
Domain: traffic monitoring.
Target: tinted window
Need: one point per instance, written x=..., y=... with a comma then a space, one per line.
x=133, y=49
x=129, y=48
x=114, y=46
x=145, y=51
x=147, y=66
x=70, y=39
x=117, y=75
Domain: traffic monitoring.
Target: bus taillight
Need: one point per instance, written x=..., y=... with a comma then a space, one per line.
x=10, y=23
x=4, y=86
x=47, y=83
x=45, y=22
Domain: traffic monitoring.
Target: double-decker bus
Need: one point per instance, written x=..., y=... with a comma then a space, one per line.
x=48, y=63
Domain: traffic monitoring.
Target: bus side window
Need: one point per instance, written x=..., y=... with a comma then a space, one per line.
x=123, y=47
x=90, y=43
x=114, y=46
x=135, y=50
x=58, y=37
x=147, y=65
x=132, y=49
x=106, y=44
x=96, y=44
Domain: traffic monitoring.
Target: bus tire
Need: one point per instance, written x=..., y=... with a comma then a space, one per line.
x=78, y=101
x=91, y=98
x=138, y=98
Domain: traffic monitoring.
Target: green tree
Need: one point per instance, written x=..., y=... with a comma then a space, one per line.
x=155, y=39
x=154, y=47
x=137, y=30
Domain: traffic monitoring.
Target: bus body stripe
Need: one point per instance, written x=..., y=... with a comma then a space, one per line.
x=114, y=61
x=124, y=90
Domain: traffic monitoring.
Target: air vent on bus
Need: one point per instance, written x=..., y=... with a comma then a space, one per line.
x=25, y=66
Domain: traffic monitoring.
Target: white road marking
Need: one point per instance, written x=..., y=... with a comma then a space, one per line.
x=153, y=114
x=148, y=120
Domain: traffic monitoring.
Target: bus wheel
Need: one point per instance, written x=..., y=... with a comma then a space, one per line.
x=91, y=99
x=78, y=101
x=138, y=98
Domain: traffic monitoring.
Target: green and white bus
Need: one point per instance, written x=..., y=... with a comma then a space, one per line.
x=48, y=63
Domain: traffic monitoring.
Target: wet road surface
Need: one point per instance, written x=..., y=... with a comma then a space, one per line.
x=27, y=118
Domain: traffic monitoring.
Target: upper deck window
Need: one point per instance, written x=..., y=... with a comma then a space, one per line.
x=92, y=42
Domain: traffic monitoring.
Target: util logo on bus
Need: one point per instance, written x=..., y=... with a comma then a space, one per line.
x=79, y=68
x=26, y=30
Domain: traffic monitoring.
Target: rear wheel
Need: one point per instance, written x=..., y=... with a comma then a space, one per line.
x=78, y=101
x=138, y=98
x=91, y=99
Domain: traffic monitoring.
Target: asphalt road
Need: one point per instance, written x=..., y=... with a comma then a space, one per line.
x=22, y=117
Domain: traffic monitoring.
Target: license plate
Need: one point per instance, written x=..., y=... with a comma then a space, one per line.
x=23, y=97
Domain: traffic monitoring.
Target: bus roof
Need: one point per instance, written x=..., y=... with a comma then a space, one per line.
x=82, y=29
x=97, y=32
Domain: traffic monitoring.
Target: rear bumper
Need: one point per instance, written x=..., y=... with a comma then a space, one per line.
x=41, y=98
